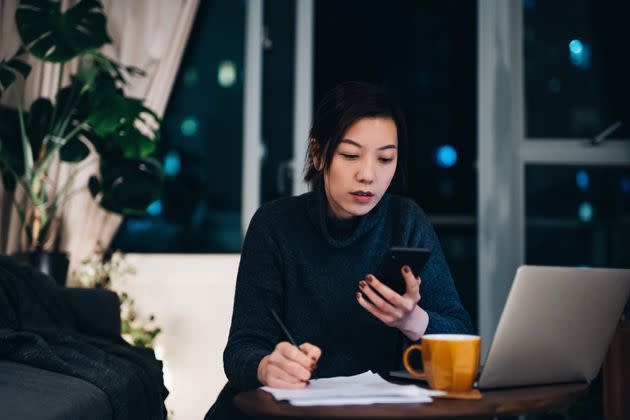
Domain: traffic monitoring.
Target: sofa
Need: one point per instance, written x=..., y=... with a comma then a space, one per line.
x=61, y=355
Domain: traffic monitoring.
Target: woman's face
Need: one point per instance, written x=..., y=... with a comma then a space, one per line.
x=362, y=167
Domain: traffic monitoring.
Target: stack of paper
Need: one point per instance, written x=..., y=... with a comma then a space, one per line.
x=365, y=388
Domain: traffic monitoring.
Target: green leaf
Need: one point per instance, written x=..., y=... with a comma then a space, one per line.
x=132, y=141
x=74, y=151
x=94, y=185
x=95, y=62
x=9, y=69
x=118, y=118
x=135, y=71
x=68, y=98
x=56, y=36
x=38, y=122
x=99, y=143
x=9, y=179
x=11, y=158
x=128, y=186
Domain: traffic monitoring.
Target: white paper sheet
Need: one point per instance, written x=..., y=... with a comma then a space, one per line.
x=365, y=388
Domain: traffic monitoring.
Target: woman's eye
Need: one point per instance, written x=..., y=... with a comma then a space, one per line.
x=349, y=156
x=385, y=160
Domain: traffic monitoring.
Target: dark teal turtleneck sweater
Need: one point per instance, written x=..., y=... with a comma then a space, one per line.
x=307, y=267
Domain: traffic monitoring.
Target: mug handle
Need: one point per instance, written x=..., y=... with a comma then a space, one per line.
x=408, y=367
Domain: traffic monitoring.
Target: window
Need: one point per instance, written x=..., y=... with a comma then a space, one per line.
x=202, y=133
x=576, y=68
x=578, y=215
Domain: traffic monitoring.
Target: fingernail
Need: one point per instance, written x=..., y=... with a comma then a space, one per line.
x=369, y=278
x=406, y=269
x=362, y=284
x=358, y=295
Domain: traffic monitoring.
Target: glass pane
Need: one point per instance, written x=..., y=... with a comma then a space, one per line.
x=277, y=101
x=578, y=216
x=424, y=53
x=200, y=209
x=459, y=244
x=576, y=68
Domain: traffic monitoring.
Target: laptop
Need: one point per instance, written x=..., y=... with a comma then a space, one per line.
x=556, y=326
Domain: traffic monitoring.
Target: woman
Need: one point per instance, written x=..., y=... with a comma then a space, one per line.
x=311, y=259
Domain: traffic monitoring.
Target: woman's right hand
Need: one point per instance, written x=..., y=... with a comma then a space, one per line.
x=289, y=367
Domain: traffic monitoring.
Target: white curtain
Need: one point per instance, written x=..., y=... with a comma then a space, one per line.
x=149, y=34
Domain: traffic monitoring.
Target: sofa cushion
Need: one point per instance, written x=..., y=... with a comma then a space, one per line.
x=30, y=393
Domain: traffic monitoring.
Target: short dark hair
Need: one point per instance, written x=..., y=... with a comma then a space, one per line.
x=341, y=107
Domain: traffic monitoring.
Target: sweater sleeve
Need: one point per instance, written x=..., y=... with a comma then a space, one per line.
x=438, y=296
x=253, y=332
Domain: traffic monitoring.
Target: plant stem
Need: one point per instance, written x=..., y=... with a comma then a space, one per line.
x=74, y=132
x=54, y=112
x=26, y=144
x=58, y=144
x=62, y=196
x=66, y=114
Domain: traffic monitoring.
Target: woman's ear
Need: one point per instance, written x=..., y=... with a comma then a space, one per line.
x=318, y=163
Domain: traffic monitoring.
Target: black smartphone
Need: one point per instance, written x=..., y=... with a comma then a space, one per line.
x=389, y=272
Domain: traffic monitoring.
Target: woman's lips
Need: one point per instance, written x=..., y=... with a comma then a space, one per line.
x=362, y=197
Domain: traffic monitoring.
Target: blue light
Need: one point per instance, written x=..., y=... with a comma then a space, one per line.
x=189, y=126
x=582, y=179
x=446, y=156
x=579, y=54
x=529, y=4
x=624, y=183
x=139, y=225
x=585, y=212
x=172, y=163
x=576, y=46
x=155, y=208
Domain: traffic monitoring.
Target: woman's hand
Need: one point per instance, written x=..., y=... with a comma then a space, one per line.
x=289, y=367
x=394, y=310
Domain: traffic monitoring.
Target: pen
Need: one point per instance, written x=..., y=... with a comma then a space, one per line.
x=288, y=334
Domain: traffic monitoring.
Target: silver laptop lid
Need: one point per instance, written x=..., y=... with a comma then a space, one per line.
x=556, y=325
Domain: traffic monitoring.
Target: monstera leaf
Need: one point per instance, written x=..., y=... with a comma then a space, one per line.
x=38, y=122
x=56, y=36
x=10, y=153
x=9, y=69
x=97, y=63
x=68, y=98
x=11, y=161
x=127, y=186
x=126, y=122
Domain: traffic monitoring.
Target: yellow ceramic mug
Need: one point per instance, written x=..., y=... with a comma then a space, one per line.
x=450, y=361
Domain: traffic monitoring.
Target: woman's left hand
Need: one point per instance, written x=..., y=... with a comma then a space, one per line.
x=394, y=310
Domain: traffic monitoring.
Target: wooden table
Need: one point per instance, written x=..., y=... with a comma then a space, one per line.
x=513, y=401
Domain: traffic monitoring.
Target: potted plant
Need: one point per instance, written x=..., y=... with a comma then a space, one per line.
x=110, y=270
x=90, y=118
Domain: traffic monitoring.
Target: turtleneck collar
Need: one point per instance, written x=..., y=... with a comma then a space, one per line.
x=342, y=232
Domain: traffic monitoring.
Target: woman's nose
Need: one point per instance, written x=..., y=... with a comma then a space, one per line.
x=366, y=172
